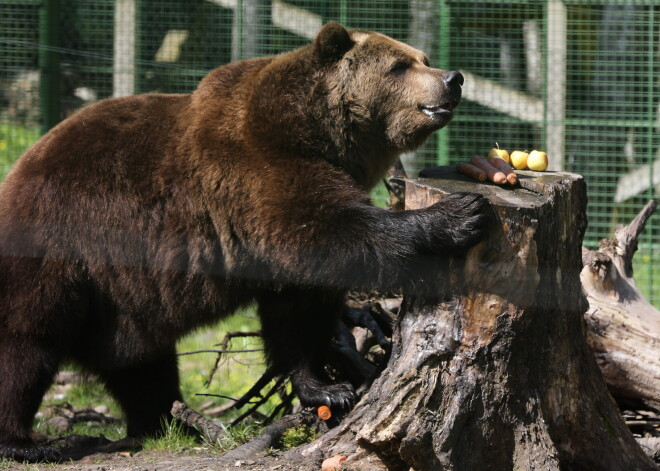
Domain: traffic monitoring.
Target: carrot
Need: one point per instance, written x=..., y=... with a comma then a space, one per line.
x=333, y=464
x=324, y=412
x=494, y=175
x=504, y=167
x=471, y=171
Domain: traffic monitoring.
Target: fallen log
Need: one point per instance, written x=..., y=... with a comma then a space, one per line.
x=495, y=373
x=623, y=328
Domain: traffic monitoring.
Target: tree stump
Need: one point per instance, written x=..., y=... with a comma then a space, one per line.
x=495, y=374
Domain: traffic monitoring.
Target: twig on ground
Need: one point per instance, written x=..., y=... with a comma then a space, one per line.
x=209, y=429
x=271, y=435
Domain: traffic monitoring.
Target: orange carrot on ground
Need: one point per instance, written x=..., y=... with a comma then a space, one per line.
x=504, y=167
x=493, y=174
x=333, y=464
x=471, y=171
x=324, y=412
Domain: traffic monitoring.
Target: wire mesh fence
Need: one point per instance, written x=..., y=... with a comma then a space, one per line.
x=577, y=78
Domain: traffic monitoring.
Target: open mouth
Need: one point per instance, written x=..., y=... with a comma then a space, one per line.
x=436, y=111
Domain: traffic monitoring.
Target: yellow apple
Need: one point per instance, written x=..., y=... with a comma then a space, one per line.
x=537, y=160
x=501, y=153
x=519, y=159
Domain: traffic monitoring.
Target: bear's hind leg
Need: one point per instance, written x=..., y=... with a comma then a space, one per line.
x=26, y=372
x=145, y=391
x=297, y=328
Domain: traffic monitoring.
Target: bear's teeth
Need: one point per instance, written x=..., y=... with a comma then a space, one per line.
x=436, y=109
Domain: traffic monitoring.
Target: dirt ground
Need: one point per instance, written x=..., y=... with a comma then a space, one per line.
x=92, y=453
x=162, y=461
x=88, y=453
x=195, y=460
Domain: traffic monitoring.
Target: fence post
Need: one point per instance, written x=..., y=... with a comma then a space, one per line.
x=123, y=77
x=444, y=45
x=555, y=94
x=49, y=64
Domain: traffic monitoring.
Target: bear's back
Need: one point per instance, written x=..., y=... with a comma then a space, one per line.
x=120, y=138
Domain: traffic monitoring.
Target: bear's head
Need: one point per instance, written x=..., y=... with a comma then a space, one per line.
x=388, y=87
x=355, y=98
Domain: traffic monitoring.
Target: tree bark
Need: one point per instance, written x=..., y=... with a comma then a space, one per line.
x=495, y=374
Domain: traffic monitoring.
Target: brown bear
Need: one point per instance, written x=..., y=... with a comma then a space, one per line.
x=141, y=218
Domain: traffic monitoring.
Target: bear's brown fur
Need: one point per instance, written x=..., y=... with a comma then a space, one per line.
x=141, y=218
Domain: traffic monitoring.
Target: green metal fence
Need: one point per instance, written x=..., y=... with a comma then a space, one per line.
x=577, y=78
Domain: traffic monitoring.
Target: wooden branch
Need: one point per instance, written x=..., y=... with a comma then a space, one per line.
x=623, y=328
x=225, y=346
x=220, y=352
x=271, y=436
x=211, y=432
x=626, y=238
x=64, y=416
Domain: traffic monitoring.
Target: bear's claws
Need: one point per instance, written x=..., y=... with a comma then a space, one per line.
x=336, y=396
x=466, y=220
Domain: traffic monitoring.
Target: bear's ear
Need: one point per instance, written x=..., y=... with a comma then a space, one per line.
x=332, y=42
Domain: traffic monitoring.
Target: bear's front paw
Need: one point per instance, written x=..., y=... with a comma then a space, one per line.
x=462, y=220
x=28, y=451
x=336, y=396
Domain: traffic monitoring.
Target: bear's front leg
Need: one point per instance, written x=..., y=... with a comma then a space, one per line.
x=297, y=328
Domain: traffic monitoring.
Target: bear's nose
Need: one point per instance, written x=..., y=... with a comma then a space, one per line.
x=454, y=78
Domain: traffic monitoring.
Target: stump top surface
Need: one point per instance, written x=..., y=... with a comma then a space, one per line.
x=530, y=191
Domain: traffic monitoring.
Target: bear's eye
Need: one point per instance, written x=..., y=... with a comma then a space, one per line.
x=399, y=67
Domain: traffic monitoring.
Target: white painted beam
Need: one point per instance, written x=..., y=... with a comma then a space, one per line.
x=500, y=98
x=637, y=181
x=123, y=67
x=291, y=18
x=556, y=83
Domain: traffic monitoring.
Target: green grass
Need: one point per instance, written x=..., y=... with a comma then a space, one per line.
x=86, y=395
x=174, y=440
x=299, y=435
x=89, y=394
x=12, y=465
x=646, y=272
x=14, y=140
x=236, y=436
x=236, y=373
x=93, y=429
